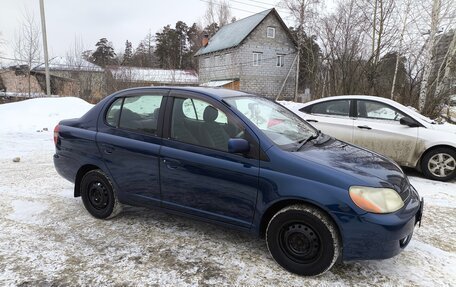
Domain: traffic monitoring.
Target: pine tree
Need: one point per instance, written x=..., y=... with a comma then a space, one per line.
x=104, y=54
x=168, y=48
x=128, y=54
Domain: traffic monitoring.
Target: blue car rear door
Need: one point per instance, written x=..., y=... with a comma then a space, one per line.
x=129, y=140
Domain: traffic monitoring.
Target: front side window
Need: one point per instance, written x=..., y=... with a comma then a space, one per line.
x=138, y=113
x=334, y=108
x=256, y=58
x=377, y=111
x=283, y=127
x=198, y=122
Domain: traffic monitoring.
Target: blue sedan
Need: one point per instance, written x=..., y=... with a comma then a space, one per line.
x=244, y=162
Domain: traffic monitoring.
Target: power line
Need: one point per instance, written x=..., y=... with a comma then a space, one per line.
x=217, y=3
x=262, y=7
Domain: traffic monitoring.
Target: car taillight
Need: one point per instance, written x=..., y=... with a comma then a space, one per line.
x=56, y=134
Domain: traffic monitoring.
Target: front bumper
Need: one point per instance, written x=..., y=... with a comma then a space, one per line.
x=381, y=236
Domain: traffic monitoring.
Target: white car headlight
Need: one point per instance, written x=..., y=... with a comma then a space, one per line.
x=376, y=200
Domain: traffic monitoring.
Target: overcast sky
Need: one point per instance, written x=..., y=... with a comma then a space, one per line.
x=90, y=20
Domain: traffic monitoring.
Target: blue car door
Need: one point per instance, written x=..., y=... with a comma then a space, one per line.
x=129, y=141
x=197, y=173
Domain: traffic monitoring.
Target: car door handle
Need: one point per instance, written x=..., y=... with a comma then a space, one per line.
x=172, y=163
x=312, y=121
x=365, y=127
x=107, y=148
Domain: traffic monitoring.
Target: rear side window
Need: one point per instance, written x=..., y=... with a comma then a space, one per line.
x=112, y=116
x=335, y=108
x=138, y=113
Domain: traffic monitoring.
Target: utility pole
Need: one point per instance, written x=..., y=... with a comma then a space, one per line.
x=46, y=58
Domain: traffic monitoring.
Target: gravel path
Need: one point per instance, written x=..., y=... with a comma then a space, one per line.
x=48, y=239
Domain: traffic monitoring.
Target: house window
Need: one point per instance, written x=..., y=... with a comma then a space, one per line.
x=270, y=32
x=257, y=58
x=279, y=61
x=207, y=61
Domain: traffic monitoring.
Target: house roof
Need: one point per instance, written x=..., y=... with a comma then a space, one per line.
x=214, y=84
x=136, y=74
x=66, y=64
x=233, y=34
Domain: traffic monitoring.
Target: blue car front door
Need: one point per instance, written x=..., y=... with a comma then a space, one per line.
x=197, y=174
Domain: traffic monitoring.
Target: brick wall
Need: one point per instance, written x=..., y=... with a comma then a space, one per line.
x=19, y=83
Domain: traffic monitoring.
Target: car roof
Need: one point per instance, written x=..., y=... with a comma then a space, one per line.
x=355, y=97
x=216, y=93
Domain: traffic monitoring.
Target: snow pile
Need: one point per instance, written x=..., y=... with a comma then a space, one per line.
x=39, y=114
x=28, y=126
x=291, y=105
x=70, y=64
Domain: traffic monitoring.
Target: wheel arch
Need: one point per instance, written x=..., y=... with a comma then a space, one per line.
x=429, y=149
x=277, y=206
x=82, y=170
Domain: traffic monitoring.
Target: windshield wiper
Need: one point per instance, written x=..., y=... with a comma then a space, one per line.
x=304, y=141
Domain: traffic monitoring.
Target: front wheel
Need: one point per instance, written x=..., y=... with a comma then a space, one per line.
x=303, y=240
x=439, y=164
x=98, y=195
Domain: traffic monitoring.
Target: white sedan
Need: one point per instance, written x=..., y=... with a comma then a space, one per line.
x=386, y=127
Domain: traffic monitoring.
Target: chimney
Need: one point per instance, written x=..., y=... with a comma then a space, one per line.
x=205, y=40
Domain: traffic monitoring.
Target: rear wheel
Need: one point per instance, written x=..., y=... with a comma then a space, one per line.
x=439, y=164
x=98, y=195
x=303, y=240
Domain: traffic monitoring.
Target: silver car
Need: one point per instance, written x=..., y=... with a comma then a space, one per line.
x=386, y=127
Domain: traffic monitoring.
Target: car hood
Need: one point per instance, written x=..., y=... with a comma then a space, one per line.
x=367, y=166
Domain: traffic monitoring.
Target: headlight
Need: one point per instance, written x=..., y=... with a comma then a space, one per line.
x=376, y=200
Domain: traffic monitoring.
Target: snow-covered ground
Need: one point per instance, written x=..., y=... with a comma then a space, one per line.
x=48, y=239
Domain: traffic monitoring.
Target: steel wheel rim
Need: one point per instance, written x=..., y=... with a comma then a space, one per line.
x=299, y=242
x=98, y=195
x=441, y=165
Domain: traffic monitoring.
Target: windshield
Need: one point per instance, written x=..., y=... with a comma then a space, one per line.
x=284, y=128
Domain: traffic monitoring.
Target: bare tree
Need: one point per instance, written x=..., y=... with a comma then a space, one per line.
x=343, y=41
x=440, y=20
x=405, y=12
x=218, y=12
x=223, y=13
x=27, y=48
x=305, y=16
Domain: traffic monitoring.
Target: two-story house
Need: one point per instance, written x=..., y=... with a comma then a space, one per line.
x=256, y=54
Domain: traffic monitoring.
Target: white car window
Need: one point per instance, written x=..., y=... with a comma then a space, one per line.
x=377, y=111
x=334, y=108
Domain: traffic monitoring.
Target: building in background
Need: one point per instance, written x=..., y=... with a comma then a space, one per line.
x=88, y=80
x=256, y=54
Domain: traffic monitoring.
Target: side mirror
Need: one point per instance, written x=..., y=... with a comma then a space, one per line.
x=406, y=121
x=238, y=146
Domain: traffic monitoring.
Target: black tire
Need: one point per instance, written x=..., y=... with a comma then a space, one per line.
x=303, y=240
x=98, y=195
x=439, y=164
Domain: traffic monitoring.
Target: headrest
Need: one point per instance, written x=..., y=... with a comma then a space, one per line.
x=210, y=114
